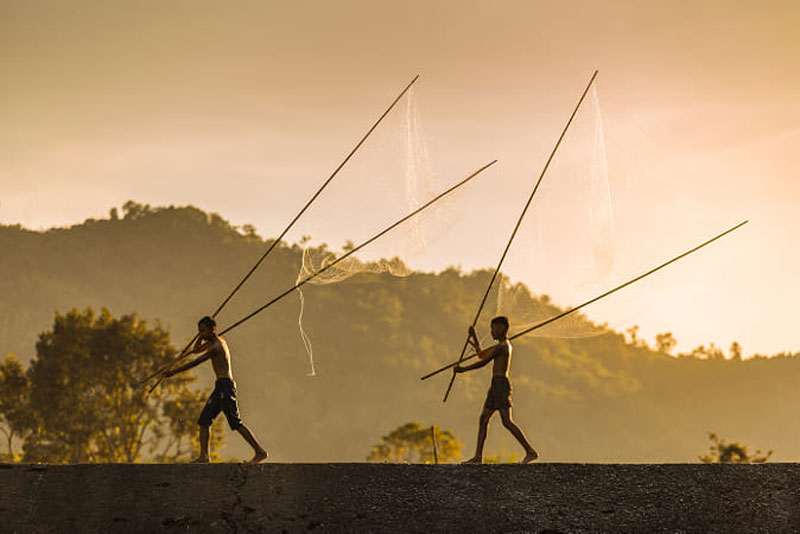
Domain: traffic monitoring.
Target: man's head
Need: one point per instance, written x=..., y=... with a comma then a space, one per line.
x=499, y=327
x=206, y=327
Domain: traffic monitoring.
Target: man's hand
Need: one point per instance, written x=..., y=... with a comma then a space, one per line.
x=472, y=338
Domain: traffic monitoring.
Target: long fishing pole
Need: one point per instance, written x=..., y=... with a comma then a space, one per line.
x=348, y=254
x=291, y=223
x=359, y=247
x=313, y=198
x=516, y=227
x=595, y=299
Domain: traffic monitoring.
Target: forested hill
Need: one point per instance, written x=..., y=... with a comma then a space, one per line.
x=163, y=263
x=595, y=399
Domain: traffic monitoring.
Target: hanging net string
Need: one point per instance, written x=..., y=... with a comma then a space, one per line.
x=275, y=242
x=320, y=259
x=403, y=174
x=347, y=255
x=601, y=212
x=595, y=299
x=519, y=222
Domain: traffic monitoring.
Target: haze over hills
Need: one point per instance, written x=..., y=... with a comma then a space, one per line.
x=604, y=398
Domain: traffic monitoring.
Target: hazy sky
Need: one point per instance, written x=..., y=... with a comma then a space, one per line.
x=243, y=108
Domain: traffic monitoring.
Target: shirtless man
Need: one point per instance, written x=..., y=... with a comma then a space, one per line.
x=210, y=346
x=499, y=396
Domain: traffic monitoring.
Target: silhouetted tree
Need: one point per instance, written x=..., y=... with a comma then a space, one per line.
x=721, y=451
x=14, y=410
x=85, y=401
x=412, y=443
x=736, y=351
x=636, y=341
x=665, y=342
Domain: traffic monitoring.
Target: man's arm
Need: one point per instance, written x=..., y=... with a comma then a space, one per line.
x=472, y=338
x=485, y=356
x=207, y=353
x=200, y=347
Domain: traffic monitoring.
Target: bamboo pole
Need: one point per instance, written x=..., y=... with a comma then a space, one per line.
x=433, y=441
x=516, y=227
x=183, y=352
x=359, y=247
x=595, y=299
x=319, y=191
x=348, y=254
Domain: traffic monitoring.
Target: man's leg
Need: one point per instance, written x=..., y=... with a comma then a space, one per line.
x=260, y=454
x=483, y=427
x=231, y=408
x=516, y=431
x=207, y=415
x=204, y=456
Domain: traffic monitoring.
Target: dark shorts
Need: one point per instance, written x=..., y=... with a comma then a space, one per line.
x=222, y=399
x=499, y=395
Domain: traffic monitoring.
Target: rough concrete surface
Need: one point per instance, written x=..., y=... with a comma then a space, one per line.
x=541, y=498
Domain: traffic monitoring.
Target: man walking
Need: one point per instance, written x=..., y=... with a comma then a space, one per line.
x=212, y=347
x=499, y=396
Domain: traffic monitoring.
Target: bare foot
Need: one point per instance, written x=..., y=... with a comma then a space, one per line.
x=259, y=457
x=200, y=460
x=531, y=456
x=474, y=460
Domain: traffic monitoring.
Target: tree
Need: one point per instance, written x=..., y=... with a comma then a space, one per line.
x=85, y=401
x=412, y=443
x=636, y=341
x=736, y=351
x=14, y=392
x=665, y=342
x=134, y=210
x=721, y=451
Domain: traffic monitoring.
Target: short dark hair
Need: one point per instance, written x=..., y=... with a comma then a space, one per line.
x=501, y=319
x=207, y=321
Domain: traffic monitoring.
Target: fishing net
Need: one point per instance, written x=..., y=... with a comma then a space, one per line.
x=390, y=177
x=564, y=250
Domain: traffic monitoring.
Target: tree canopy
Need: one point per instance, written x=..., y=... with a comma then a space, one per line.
x=411, y=443
x=724, y=452
x=81, y=401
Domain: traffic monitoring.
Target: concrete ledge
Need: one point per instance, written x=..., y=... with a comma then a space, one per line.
x=542, y=498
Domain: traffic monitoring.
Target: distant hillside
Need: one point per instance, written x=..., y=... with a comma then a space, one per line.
x=594, y=399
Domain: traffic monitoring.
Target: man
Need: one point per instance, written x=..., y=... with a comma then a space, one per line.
x=499, y=396
x=210, y=346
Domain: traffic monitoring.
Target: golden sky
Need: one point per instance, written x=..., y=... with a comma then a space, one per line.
x=243, y=108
